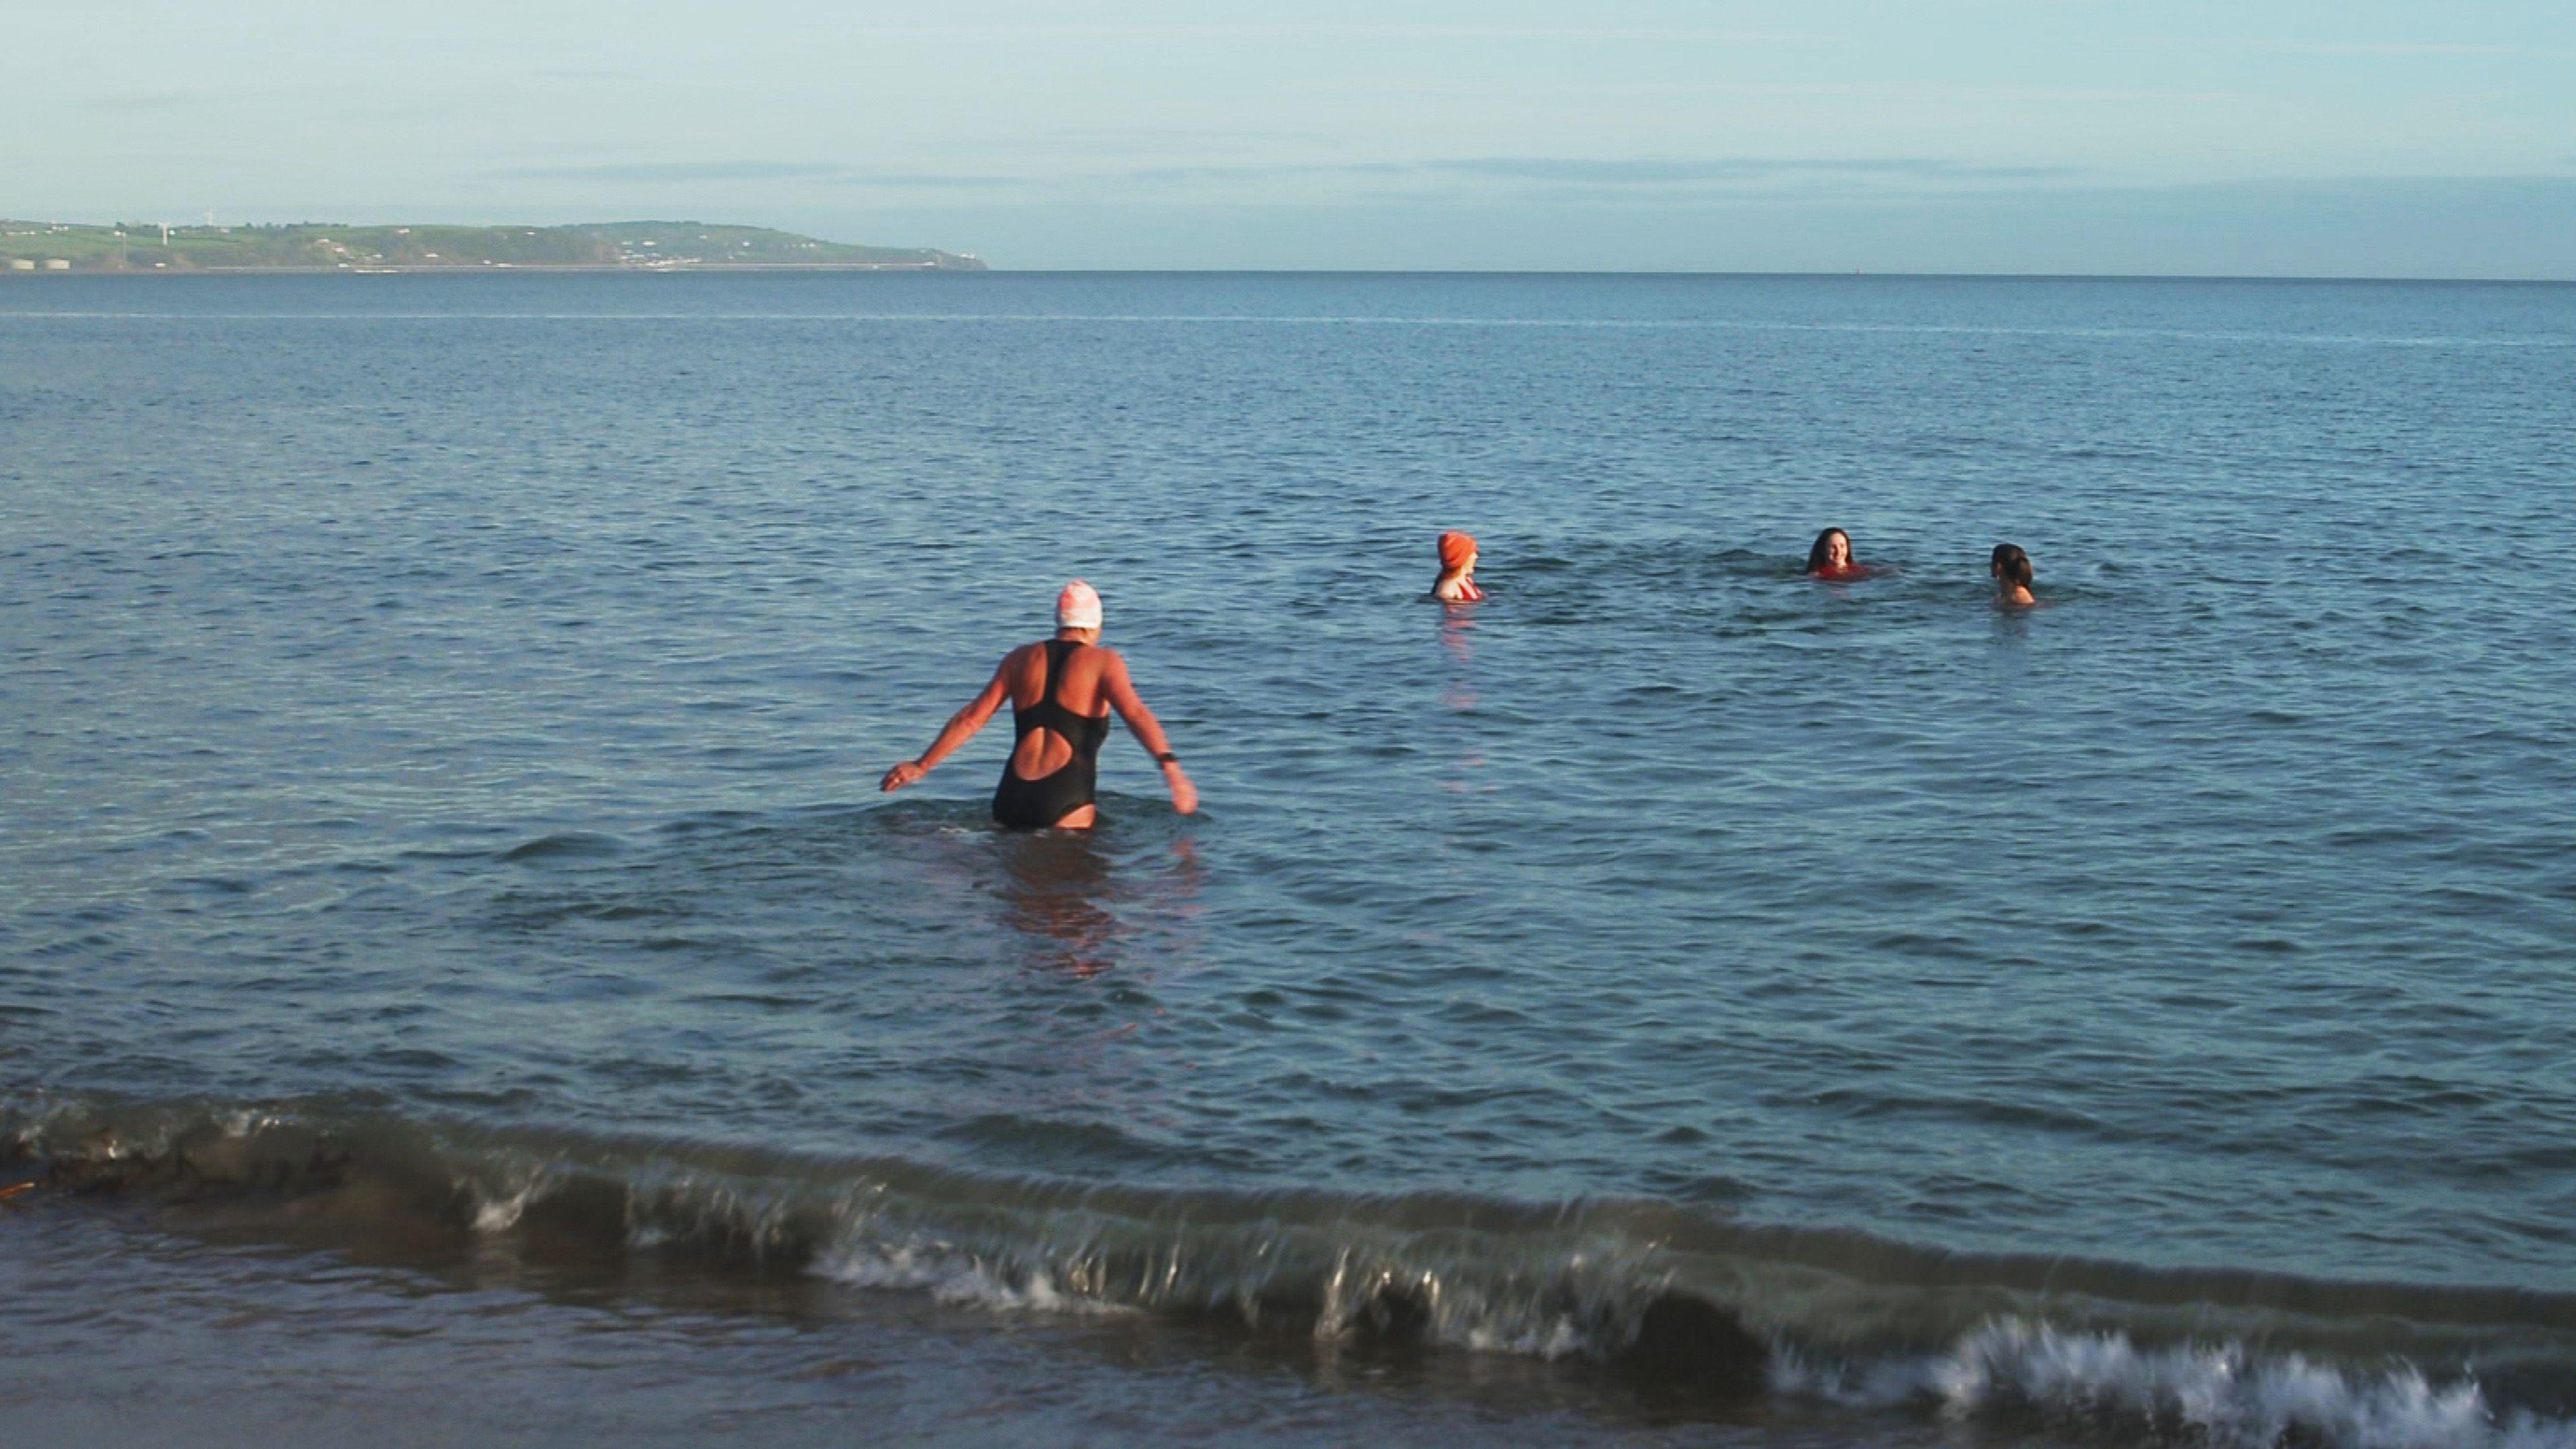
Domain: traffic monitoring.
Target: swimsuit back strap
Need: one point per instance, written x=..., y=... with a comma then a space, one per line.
x=1057, y=651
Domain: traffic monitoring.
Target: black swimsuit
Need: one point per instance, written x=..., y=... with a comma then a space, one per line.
x=1039, y=803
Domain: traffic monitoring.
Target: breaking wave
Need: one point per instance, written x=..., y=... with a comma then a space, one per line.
x=1677, y=1298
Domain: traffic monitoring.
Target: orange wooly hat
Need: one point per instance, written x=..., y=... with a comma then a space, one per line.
x=1456, y=548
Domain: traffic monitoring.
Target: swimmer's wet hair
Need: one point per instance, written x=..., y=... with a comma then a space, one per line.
x=1816, y=554
x=2011, y=563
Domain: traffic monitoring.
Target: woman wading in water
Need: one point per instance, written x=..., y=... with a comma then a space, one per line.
x=1061, y=691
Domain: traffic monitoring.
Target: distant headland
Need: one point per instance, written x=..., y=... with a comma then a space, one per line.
x=658, y=246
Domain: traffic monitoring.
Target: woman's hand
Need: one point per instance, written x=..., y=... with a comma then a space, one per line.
x=902, y=775
x=1185, y=796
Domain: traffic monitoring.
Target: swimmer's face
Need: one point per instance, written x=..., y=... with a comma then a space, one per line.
x=1837, y=550
x=1470, y=566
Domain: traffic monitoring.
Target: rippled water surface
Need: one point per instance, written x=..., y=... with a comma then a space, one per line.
x=444, y=718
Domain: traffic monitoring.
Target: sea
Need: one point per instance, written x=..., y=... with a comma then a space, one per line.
x=461, y=983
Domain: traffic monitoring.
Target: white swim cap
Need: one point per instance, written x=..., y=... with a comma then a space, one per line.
x=1078, y=607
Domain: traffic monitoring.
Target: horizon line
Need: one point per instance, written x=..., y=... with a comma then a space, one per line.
x=990, y=270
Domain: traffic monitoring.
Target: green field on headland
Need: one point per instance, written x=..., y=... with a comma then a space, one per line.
x=36, y=246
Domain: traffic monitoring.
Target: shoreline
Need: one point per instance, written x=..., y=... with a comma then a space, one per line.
x=2177, y=279
x=547, y=267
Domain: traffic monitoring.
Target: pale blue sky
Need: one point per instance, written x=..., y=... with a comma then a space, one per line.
x=1990, y=135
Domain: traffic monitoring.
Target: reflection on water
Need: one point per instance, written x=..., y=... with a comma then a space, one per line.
x=1056, y=887
x=1457, y=628
x=1082, y=908
x=1098, y=923
x=1458, y=693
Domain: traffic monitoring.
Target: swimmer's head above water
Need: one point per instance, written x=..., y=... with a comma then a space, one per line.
x=1077, y=609
x=2011, y=569
x=1831, y=556
x=1457, y=581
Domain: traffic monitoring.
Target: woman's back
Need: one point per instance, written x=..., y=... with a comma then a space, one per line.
x=1080, y=691
x=1059, y=707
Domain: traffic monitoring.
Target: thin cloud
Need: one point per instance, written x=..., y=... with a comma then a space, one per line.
x=940, y=182
x=681, y=171
x=1651, y=171
x=1548, y=34
x=1476, y=88
x=1202, y=137
x=1273, y=172
x=145, y=101
x=686, y=172
x=2393, y=47
x=1641, y=175
x=1625, y=171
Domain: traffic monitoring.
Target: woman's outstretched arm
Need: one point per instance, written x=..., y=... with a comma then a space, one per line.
x=960, y=728
x=1149, y=733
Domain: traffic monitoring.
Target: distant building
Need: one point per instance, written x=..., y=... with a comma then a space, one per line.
x=57, y=264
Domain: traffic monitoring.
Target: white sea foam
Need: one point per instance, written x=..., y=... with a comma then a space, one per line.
x=499, y=1212
x=952, y=1276
x=1556, y=1337
x=246, y=1122
x=2221, y=1395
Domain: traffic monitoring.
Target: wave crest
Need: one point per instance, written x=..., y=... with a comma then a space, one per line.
x=2224, y=1395
x=1675, y=1298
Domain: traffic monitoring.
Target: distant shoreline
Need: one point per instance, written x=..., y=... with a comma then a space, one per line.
x=129, y=248
x=548, y=268
x=1893, y=278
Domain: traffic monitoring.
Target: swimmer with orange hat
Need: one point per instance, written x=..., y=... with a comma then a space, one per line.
x=1457, y=581
x=1061, y=691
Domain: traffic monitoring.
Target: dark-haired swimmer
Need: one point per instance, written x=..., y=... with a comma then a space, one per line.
x=1457, y=581
x=1061, y=691
x=2011, y=568
x=1831, y=558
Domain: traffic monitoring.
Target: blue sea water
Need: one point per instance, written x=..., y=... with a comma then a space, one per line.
x=444, y=894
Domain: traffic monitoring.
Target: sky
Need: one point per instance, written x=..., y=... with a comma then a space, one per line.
x=2260, y=137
